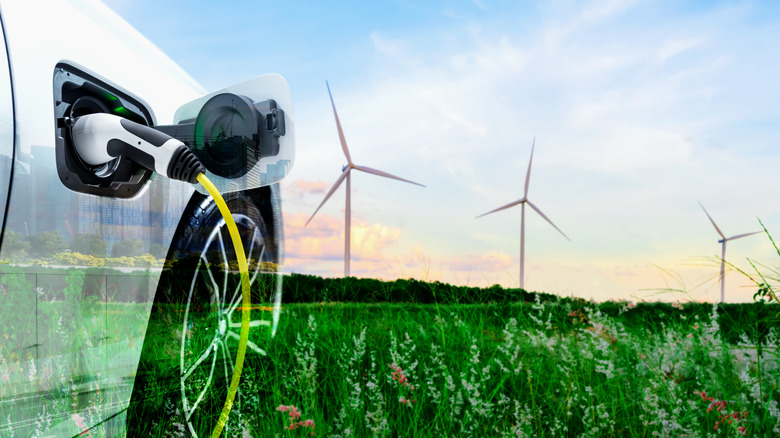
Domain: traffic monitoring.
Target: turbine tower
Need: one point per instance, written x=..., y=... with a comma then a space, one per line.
x=345, y=174
x=722, y=241
x=522, y=201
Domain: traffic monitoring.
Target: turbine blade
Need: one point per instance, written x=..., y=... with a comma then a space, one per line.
x=511, y=204
x=384, y=174
x=743, y=235
x=338, y=126
x=528, y=174
x=332, y=189
x=713, y=222
x=547, y=219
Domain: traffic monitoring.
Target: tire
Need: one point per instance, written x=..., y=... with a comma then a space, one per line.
x=192, y=337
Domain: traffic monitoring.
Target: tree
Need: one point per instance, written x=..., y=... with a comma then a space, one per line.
x=127, y=248
x=158, y=251
x=89, y=244
x=14, y=245
x=47, y=243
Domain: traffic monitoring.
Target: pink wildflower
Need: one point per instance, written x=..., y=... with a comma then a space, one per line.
x=398, y=375
x=295, y=414
x=79, y=421
x=723, y=418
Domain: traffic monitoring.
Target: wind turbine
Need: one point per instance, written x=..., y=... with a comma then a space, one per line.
x=723, y=241
x=345, y=174
x=522, y=201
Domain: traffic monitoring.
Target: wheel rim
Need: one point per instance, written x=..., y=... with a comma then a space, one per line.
x=210, y=330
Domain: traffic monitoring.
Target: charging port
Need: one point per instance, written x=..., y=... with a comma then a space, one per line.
x=78, y=93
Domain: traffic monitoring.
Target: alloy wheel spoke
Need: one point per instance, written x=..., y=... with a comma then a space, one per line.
x=228, y=374
x=252, y=323
x=229, y=357
x=251, y=245
x=259, y=268
x=212, y=280
x=197, y=362
x=205, y=387
x=249, y=344
x=225, y=270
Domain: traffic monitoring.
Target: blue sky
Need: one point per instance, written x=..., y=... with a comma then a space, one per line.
x=639, y=109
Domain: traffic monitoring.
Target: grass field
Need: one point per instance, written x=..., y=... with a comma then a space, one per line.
x=565, y=368
x=511, y=370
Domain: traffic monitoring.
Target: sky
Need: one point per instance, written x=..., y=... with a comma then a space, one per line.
x=638, y=110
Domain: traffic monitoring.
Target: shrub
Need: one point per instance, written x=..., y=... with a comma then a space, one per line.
x=127, y=248
x=47, y=243
x=89, y=243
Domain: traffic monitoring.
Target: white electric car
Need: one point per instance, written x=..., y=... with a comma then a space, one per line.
x=100, y=344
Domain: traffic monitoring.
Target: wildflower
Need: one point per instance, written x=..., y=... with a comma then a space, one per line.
x=293, y=411
x=295, y=414
x=398, y=375
x=81, y=424
x=723, y=418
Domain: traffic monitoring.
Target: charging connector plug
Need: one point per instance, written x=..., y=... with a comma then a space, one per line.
x=99, y=138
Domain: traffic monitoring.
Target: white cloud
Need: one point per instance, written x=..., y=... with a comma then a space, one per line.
x=634, y=122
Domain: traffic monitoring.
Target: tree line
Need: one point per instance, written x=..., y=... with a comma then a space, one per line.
x=47, y=243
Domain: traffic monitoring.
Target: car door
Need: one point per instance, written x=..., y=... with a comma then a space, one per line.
x=6, y=130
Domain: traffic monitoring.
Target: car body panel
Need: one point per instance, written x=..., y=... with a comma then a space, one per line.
x=72, y=336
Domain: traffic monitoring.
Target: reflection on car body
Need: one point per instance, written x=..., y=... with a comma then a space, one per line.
x=81, y=271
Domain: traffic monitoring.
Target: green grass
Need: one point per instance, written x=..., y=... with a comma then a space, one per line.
x=556, y=368
x=510, y=370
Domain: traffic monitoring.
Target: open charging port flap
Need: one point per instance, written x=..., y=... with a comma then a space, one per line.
x=78, y=92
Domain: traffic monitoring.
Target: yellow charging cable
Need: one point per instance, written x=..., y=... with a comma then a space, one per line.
x=245, y=300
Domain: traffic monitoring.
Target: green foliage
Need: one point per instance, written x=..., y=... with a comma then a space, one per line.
x=127, y=248
x=512, y=369
x=765, y=279
x=47, y=243
x=91, y=244
x=299, y=288
x=14, y=245
x=158, y=251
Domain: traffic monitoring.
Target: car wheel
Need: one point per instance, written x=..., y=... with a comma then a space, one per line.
x=192, y=337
